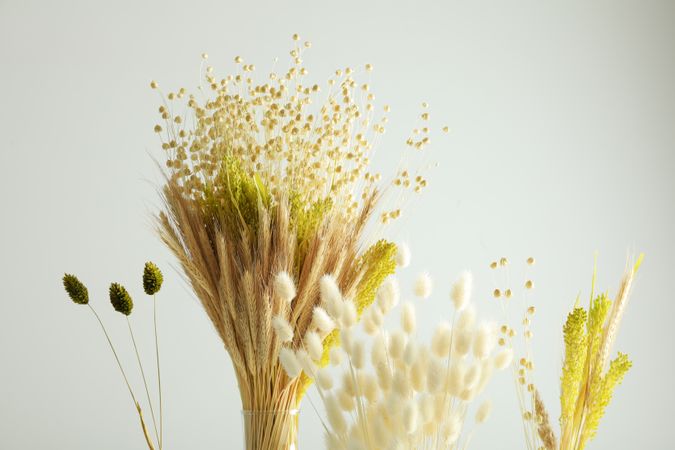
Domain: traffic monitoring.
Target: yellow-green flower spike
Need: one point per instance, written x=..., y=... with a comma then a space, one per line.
x=602, y=393
x=77, y=291
x=576, y=339
x=152, y=278
x=120, y=299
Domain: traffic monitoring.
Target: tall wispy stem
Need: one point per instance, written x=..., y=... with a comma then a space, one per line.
x=159, y=376
x=148, y=439
x=145, y=382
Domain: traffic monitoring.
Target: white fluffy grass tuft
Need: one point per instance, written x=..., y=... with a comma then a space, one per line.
x=330, y=294
x=441, y=340
x=423, y=285
x=467, y=317
x=388, y=294
x=289, y=362
x=461, y=342
x=461, y=290
x=410, y=414
x=397, y=344
x=349, y=315
x=284, y=287
x=408, y=318
x=322, y=321
x=324, y=380
x=314, y=345
x=336, y=356
x=484, y=341
x=483, y=412
x=402, y=255
x=282, y=329
x=335, y=418
x=503, y=359
x=306, y=362
x=358, y=355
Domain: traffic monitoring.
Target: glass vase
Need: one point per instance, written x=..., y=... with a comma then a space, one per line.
x=270, y=430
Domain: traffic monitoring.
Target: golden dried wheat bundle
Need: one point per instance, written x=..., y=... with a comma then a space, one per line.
x=268, y=190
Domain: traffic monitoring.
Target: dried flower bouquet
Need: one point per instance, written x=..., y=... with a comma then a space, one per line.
x=270, y=186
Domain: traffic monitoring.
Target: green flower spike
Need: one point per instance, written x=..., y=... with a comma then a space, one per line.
x=152, y=278
x=77, y=291
x=120, y=299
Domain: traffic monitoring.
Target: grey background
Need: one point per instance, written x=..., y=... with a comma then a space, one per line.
x=562, y=145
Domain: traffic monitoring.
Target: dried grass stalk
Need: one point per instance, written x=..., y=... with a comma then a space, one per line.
x=544, y=429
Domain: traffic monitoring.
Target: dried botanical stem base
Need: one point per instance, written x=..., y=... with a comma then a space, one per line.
x=270, y=430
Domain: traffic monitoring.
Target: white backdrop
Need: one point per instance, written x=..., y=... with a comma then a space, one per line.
x=563, y=119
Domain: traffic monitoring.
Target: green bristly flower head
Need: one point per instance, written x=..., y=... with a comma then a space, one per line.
x=77, y=291
x=120, y=299
x=152, y=278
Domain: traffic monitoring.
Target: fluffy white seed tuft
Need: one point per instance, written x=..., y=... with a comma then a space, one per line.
x=358, y=355
x=461, y=342
x=397, y=344
x=335, y=418
x=331, y=297
x=441, y=340
x=402, y=255
x=410, y=414
x=349, y=383
x=426, y=407
x=314, y=345
x=472, y=376
x=284, y=287
x=484, y=341
x=487, y=368
x=384, y=377
x=408, y=319
x=324, y=380
x=380, y=432
x=369, y=326
x=418, y=376
x=461, y=290
x=370, y=389
x=401, y=384
x=456, y=376
x=282, y=329
x=483, y=412
x=347, y=340
x=410, y=353
x=306, y=362
x=435, y=375
x=451, y=429
x=378, y=352
x=388, y=294
x=376, y=315
x=289, y=362
x=349, y=314
x=423, y=285
x=467, y=318
x=322, y=321
x=336, y=356
x=503, y=359
x=346, y=400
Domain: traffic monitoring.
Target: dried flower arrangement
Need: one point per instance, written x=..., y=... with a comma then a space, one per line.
x=123, y=303
x=588, y=377
x=413, y=395
x=268, y=200
x=267, y=191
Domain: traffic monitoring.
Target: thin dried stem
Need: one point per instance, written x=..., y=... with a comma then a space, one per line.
x=145, y=382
